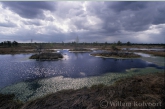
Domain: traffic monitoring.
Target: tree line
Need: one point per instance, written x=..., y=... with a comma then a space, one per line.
x=76, y=42
x=9, y=43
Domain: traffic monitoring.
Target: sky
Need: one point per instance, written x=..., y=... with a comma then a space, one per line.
x=109, y=21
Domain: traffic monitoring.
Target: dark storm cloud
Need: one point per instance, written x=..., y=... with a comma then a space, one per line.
x=128, y=16
x=159, y=18
x=130, y=5
x=29, y=10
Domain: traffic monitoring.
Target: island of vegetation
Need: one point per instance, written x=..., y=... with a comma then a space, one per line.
x=47, y=56
x=148, y=88
x=116, y=54
x=80, y=50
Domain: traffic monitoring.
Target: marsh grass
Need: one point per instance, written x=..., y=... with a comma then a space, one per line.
x=139, y=88
x=7, y=101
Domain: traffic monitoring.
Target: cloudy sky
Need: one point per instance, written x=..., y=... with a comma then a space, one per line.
x=138, y=22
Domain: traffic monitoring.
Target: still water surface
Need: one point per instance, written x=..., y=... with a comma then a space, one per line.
x=17, y=68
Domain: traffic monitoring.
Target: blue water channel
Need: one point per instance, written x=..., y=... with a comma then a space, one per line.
x=17, y=68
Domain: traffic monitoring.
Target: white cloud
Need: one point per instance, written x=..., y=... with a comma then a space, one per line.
x=97, y=21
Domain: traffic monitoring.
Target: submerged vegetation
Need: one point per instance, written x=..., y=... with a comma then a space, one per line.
x=137, y=89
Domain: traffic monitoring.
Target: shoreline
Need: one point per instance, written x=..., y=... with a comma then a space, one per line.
x=147, y=84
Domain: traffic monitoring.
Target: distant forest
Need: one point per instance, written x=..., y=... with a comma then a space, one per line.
x=9, y=43
x=119, y=43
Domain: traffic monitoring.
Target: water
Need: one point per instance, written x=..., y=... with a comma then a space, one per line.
x=18, y=68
